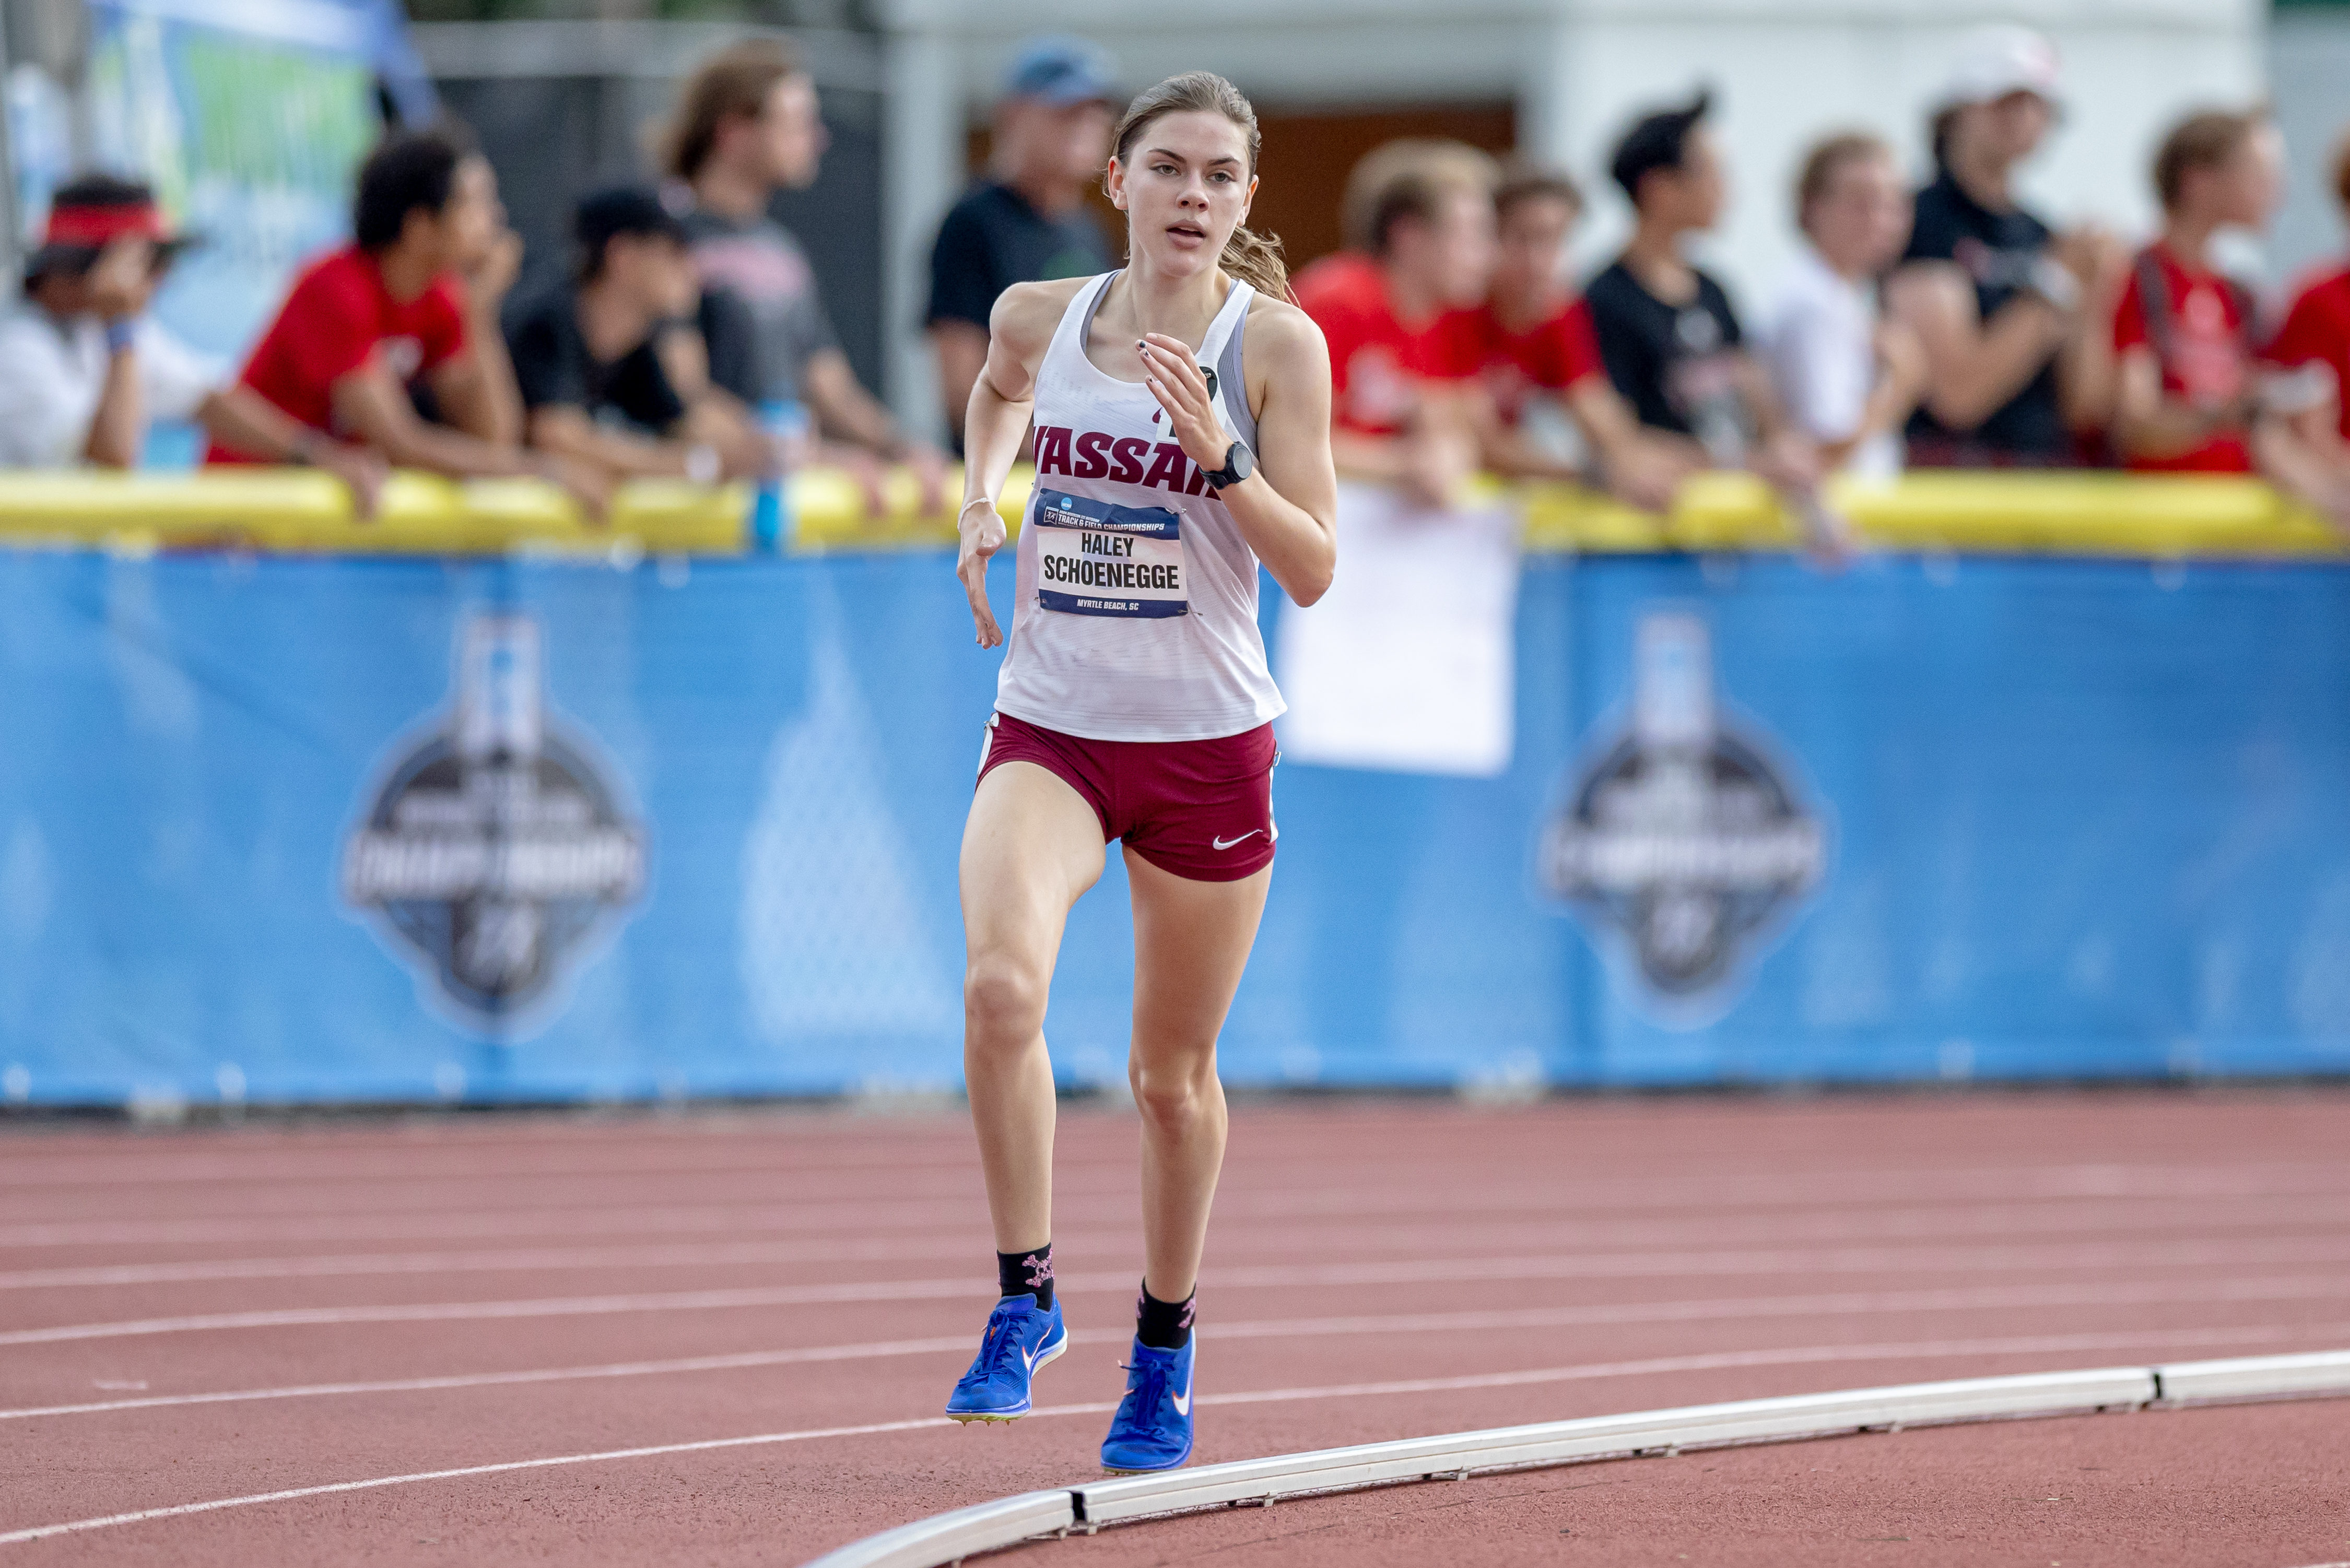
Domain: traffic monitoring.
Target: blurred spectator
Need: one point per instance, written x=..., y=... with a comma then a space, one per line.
x=1399, y=312
x=2012, y=316
x=1027, y=222
x=746, y=129
x=82, y=370
x=1666, y=333
x=588, y=353
x=1848, y=378
x=2309, y=358
x=1538, y=340
x=410, y=307
x=2190, y=397
x=2184, y=333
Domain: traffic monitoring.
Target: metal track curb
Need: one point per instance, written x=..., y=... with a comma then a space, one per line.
x=947, y=1537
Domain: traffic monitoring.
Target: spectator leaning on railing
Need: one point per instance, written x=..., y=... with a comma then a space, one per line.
x=2310, y=356
x=408, y=310
x=82, y=368
x=1399, y=315
x=746, y=129
x=1670, y=339
x=1847, y=377
x=2012, y=316
x=588, y=361
x=1536, y=339
x=2190, y=397
x=1027, y=222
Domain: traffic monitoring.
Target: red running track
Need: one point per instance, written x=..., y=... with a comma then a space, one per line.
x=726, y=1339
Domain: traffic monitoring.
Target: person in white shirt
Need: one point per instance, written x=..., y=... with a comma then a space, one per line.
x=1849, y=376
x=82, y=370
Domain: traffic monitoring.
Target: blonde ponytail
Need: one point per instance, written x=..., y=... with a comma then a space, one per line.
x=1255, y=259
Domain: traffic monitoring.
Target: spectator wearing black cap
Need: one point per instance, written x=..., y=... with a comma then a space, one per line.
x=589, y=353
x=1027, y=221
x=1668, y=333
x=82, y=368
x=2013, y=317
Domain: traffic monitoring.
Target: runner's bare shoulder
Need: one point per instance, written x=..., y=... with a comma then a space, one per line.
x=1283, y=345
x=1026, y=313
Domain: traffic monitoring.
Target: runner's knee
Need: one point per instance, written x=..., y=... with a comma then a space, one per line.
x=1172, y=1096
x=1004, y=998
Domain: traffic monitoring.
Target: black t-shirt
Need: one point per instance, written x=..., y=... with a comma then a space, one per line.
x=993, y=239
x=1996, y=250
x=1677, y=364
x=553, y=368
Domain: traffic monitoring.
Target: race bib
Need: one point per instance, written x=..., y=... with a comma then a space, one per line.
x=1097, y=558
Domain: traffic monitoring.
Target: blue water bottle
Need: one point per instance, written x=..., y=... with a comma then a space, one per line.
x=787, y=424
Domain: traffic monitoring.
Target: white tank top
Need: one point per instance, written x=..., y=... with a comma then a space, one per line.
x=1134, y=617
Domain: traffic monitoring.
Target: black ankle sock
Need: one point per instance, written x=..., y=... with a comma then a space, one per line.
x=1163, y=1325
x=1028, y=1272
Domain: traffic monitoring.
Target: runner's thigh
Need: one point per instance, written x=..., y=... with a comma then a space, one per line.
x=1192, y=942
x=1031, y=846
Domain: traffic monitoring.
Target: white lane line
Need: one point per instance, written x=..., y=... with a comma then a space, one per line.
x=2170, y=1218
x=1650, y=1313
x=177, y=1511
x=1639, y=1265
x=1590, y=1370
x=1842, y=1190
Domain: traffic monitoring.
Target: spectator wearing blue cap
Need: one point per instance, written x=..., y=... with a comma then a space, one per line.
x=1027, y=221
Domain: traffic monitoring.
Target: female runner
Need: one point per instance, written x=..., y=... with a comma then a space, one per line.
x=1182, y=417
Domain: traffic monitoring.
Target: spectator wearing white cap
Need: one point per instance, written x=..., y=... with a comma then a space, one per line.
x=1848, y=378
x=1024, y=221
x=2011, y=314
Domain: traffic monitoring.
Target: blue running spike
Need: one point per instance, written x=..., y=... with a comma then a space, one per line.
x=1020, y=1338
x=1152, y=1428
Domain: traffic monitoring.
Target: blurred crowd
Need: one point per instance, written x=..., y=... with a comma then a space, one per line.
x=687, y=339
x=1945, y=325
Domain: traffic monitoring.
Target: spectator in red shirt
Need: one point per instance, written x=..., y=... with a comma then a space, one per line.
x=2188, y=397
x=1399, y=315
x=2309, y=380
x=408, y=308
x=1538, y=340
x=2183, y=335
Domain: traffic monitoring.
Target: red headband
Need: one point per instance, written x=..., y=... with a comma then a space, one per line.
x=97, y=226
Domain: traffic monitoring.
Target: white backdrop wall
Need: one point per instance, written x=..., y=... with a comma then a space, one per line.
x=1785, y=71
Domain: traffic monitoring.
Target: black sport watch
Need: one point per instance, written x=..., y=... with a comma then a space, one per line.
x=1239, y=463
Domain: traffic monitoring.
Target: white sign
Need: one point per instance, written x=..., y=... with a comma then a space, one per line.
x=1407, y=663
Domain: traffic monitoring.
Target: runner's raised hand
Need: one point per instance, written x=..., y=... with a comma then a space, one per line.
x=1175, y=380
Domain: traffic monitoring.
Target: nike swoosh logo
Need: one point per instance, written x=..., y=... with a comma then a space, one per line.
x=1183, y=1400
x=1228, y=842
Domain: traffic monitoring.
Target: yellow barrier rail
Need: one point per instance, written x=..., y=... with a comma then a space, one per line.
x=299, y=512
x=303, y=513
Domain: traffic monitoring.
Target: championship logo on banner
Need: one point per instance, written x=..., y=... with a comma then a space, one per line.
x=495, y=855
x=1682, y=842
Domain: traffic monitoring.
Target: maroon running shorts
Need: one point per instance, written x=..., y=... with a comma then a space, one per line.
x=1200, y=809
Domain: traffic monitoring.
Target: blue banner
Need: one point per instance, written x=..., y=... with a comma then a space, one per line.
x=296, y=829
